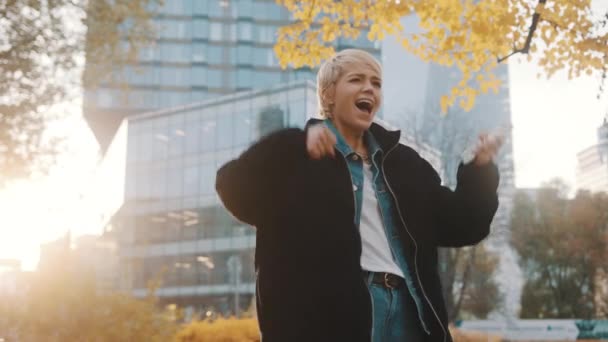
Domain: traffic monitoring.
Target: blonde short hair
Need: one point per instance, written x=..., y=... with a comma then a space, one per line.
x=332, y=69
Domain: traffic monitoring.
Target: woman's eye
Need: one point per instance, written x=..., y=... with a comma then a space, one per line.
x=378, y=84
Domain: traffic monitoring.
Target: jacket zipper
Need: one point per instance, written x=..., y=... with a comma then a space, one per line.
x=415, y=250
x=355, y=209
x=426, y=329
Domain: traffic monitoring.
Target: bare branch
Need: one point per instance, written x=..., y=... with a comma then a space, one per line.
x=533, y=26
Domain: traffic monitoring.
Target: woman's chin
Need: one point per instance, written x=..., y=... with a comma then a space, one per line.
x=365, y=123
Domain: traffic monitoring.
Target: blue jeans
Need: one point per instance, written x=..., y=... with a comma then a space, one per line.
x=395, y=315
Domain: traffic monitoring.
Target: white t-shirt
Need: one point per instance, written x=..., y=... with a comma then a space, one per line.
x=376, y=255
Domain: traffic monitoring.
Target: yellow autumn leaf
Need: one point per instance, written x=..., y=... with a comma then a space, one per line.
x=469, y=35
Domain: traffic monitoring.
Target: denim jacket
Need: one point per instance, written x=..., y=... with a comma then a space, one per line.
x=385, y=201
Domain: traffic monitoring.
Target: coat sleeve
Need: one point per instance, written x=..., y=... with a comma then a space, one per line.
x=463, y=216
x=250, y=186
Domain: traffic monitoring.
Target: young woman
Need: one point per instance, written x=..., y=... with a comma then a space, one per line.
x=348, y=220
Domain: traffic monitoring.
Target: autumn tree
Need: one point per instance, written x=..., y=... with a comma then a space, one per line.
x=474, y=36
x=42, y=48
x=562, y=244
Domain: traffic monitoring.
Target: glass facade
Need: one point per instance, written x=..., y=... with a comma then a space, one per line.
x=172, y=226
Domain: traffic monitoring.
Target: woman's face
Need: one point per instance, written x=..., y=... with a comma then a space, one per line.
x=356, y=97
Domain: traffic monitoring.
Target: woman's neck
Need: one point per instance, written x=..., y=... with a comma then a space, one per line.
x=354, y=138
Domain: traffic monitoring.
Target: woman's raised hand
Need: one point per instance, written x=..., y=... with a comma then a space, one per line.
x=320, y=142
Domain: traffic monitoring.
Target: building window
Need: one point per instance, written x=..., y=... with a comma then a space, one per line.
x=183, y=7
x=199, y=76
x=232, y=34
x=142, y=75
x=175, y=29
x=242, y=128
x=214, y=54
x=215, y=31
x=175, y=52
x=192, y=137
x=245, y=29
x=207, y=178
x=173, y=98
x=148, y=53
x=199, y=53
x=200, y=7
x=268, y=11
x=244, y=78
x=199, y=95
x=224, y=130
x=245, y=9
x=267, y=78
x=208, y=135
x=296, y=117
x=175, y=76
x=270, y=119
x=215, y=78
x=244, y=55
x=106, y=98
x=218, y=7
x=265, y=33
x=201, y=28
x=174, y=180
x=158, y=173
x=191, y=181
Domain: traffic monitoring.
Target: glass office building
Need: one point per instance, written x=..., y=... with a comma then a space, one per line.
x=172, y=226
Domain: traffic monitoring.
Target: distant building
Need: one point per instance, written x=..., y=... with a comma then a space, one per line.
x=592, y=167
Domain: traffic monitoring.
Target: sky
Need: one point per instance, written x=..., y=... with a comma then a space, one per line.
x=552, y=121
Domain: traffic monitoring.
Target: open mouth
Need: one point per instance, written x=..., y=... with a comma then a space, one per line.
x=365, y=105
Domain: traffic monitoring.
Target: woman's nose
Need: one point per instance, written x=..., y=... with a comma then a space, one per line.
x=368, y=86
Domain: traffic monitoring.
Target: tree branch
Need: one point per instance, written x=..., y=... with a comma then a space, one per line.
x=526, y=48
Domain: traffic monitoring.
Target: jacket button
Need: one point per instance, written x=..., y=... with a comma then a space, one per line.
x=355, y=187
x=355, y=157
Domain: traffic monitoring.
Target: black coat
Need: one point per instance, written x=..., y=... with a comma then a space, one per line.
x=309, y=278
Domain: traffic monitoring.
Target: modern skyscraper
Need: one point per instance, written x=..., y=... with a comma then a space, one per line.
x=592, y=168
x=204, y=49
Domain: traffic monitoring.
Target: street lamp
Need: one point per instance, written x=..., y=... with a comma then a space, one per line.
x=235, y=268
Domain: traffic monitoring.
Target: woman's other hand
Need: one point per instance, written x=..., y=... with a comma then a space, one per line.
x=487, y=148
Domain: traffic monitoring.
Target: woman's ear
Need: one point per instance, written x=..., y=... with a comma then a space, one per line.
x=328, y=98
